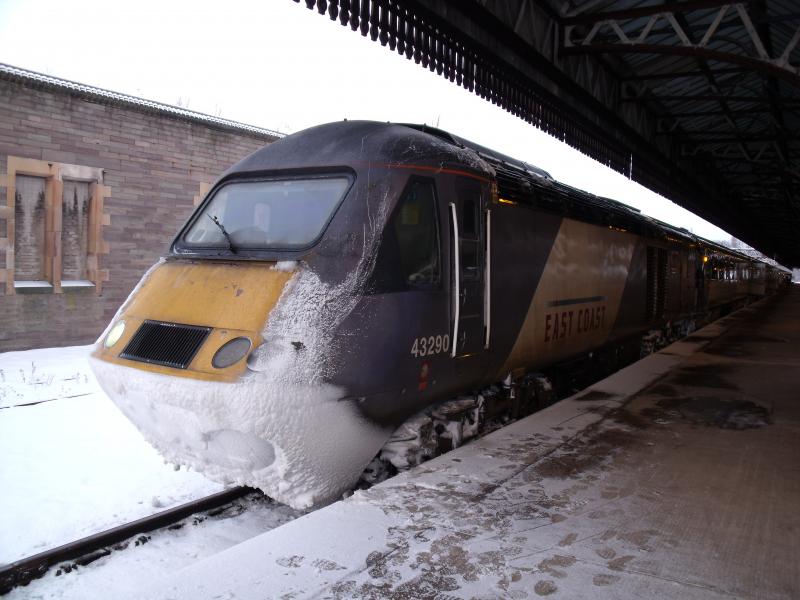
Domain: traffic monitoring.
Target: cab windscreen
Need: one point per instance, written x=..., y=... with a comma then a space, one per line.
x=288, y=213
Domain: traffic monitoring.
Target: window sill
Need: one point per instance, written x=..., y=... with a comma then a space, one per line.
x=45, y=287
x=33, y=287
x=76, y=285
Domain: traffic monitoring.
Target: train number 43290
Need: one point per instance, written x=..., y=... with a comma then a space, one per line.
x=428, y=346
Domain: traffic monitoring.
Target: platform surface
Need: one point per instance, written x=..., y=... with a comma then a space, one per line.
x=678, y=477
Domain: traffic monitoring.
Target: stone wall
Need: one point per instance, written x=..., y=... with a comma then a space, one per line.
x=153, y=168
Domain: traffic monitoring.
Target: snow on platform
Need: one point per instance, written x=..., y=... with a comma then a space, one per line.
x=72, y=464
x=674, y=478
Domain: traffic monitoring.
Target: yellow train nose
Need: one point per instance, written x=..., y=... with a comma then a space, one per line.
x=195, y=318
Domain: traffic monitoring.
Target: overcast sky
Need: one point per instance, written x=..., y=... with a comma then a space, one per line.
x=275, y=64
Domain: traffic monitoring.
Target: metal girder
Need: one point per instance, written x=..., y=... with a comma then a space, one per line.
x=787, y=73
x=714, y=113
x=708, y=97
x=743, y=138
x=626, y=35
x=679, y=74
x=643, y=11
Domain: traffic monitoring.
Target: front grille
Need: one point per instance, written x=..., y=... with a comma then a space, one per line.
x=168, y=344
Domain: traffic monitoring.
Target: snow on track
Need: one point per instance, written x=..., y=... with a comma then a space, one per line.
x=165, y=551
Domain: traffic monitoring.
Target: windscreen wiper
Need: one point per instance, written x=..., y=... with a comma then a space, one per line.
x=224, y=232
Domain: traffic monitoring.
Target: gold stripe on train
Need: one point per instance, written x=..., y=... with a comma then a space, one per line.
x=578, y=297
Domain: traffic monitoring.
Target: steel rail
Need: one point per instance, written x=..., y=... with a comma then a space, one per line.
x=23, y=571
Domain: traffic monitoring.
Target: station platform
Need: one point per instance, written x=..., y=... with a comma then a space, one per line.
x=677, y=477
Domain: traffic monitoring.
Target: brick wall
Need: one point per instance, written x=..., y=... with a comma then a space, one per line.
x=154, y=165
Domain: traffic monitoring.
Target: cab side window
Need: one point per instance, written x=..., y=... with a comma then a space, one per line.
x=469, y=193
x=409, y=253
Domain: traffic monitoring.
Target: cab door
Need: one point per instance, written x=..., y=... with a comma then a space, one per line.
x=468, y=267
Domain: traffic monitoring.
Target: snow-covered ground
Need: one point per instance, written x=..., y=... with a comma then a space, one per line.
x=45, y=374
x=124, y=572
x=73, y=465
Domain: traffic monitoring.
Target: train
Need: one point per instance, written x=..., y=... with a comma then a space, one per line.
x=346, y=292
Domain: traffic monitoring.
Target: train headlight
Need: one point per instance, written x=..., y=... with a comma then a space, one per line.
x=231, y=352
x=115, y=333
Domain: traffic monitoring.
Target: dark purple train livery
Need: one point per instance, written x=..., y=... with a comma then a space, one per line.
x=358, y=277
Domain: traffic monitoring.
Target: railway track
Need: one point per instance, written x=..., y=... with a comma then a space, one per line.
x=86, y=550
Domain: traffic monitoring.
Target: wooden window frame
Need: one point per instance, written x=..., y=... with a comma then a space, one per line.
x=54, y=175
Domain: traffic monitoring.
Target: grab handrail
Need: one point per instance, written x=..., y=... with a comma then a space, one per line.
x=457, y=294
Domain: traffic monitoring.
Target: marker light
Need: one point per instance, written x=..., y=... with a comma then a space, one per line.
x=115, y=333
x=231, y=352
x=705, y=259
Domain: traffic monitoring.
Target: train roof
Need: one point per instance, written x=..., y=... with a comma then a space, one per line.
x=522, y=183
x=359, y=143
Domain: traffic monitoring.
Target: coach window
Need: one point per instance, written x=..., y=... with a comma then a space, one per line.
x=409, y=254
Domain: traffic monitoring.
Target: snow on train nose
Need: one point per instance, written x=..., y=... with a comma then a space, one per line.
x=191, y=320
x=206, y=425
x=301, y=444
x=266, y=420
x=179, y=423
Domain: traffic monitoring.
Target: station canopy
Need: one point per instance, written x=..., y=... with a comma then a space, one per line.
x=698, y=100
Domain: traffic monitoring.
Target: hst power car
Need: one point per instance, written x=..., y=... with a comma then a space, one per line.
x=341, y=280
